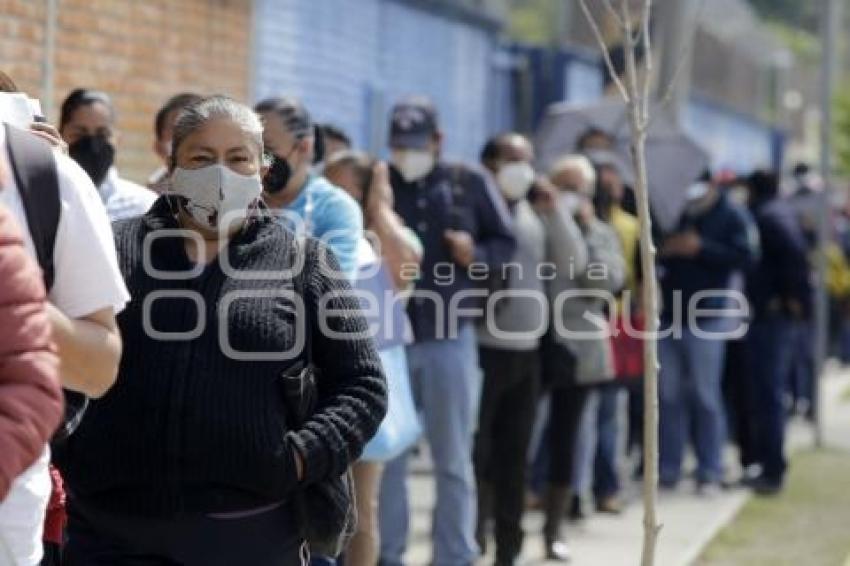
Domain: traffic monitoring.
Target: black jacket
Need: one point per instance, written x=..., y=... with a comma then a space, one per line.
x=728, y=244
x=782, y=274
x=196, y=421
x=458, y=198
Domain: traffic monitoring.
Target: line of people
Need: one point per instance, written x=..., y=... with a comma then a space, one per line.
x=498, y=290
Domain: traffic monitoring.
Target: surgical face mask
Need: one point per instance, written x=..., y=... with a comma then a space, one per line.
x=698, y=199
x=216, y=194
x=95, y=155
x=696, y=191
x=515, y=179
x=572, y=201
x=413, y=164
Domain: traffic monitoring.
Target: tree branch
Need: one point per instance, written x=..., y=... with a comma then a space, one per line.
x=607, y=56
x=647, y=59
x=629, y=41
x=613, y=13
x=638, y=112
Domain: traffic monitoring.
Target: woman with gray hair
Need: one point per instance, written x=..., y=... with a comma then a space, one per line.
x=580, y=299
x=195, y=457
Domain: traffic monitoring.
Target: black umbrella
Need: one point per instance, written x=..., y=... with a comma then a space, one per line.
x=674, y=161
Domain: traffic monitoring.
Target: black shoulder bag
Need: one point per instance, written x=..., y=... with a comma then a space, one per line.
x=325, y=510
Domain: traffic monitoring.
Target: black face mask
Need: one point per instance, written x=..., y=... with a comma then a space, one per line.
x=95, y=155
x=278, y=175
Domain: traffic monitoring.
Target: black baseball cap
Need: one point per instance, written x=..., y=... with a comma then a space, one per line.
x=413, y=123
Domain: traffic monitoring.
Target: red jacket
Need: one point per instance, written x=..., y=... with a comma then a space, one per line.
x=30, y=395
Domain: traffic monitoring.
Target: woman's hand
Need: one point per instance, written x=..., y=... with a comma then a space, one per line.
x=545, y=196
x=686, y=244
x=380, y=195
x=586, y=213
x=461, y=247
x=49, y=133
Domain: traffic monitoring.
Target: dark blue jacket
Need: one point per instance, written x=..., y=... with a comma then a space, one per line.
x=458, y=198
x=782, y=272
x=728, y=244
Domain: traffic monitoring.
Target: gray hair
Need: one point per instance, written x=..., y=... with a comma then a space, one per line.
x=196, y=115
x=576, y=162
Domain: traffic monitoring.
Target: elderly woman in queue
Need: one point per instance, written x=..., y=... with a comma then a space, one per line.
x=192, y=458
x=580, y=339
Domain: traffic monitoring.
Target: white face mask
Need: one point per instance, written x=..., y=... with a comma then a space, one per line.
x=739, y=196
x=413, y=164
x=572, y=201
x=216, y=194
x=696, y=191
x=698, y=199
x=515, y=179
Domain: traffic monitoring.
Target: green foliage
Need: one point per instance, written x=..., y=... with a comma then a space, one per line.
x=534, y=21
x=805, y=45
x=796, y=13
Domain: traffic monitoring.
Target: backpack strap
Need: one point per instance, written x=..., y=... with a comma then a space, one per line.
x=34, y=168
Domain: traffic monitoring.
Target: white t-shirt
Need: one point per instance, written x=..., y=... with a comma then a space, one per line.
x=86, y=280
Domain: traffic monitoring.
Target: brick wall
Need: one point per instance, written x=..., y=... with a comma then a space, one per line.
x=140, y=52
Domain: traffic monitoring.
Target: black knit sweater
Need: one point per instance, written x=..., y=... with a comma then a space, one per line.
x=188, y=428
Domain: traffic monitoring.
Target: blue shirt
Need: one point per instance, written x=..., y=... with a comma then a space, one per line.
x=450, y=197
x=329, y=214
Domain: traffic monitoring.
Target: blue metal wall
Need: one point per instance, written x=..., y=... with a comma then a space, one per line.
x=734, y=141
x=583, y=81
x=558, y=75
x=349, y=61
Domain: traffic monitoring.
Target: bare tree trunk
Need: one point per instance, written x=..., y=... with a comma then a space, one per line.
x=638, y=107
x=635, y=92
x=650, y=362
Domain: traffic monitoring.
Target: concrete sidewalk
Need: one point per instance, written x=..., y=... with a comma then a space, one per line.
x=689, y=521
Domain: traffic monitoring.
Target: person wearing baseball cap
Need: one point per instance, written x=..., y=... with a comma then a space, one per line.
x=463, y=224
